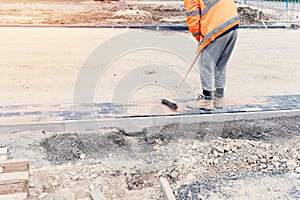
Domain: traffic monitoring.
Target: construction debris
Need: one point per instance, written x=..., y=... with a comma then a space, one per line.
x=14, y=176
x=97, y=195
x=117, y=12
x=166, y=189
x=249, y=15
x=195, y=159
x=3, y=154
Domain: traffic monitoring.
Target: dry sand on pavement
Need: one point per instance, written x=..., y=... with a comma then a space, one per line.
x=40, y=66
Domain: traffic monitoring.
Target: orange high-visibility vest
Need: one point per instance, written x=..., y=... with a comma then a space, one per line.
x=208, y=19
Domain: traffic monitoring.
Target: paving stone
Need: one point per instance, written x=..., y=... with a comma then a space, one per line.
x=65, y=112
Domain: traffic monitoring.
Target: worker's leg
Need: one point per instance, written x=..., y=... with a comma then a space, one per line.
x=228, y=41
x=209, y=58
x=206, y=66
x=207, y=63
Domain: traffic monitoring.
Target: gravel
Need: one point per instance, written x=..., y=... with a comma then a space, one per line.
x=245, y=186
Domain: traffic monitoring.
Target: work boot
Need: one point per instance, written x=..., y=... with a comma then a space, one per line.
x=219, y=102
x=201, y=104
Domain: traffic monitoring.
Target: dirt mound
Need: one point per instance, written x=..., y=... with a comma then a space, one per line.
x=98, y=13
x=63, y=148
x=251, y=16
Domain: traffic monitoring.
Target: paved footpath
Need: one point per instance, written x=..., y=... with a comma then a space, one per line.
x=30, y=117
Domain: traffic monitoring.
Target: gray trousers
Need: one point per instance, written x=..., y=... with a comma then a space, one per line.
x=213, y=61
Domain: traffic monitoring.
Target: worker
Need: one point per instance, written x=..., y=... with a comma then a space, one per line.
x=214, y=24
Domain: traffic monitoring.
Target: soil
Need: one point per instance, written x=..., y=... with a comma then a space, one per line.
x=200, y=161
x=90, y=12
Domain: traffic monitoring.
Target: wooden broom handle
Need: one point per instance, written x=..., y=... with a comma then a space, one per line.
x=187, y=73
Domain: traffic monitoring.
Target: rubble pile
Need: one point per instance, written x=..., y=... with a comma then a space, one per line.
x=205, y=170
x=116, y=12
x=251, y=16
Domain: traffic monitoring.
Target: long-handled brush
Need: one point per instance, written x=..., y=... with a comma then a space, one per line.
x=170, y=102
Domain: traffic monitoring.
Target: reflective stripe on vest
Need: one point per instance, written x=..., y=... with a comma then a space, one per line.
x=219, y=28
x=206, y=2
x=193, y=13
x=209, y=6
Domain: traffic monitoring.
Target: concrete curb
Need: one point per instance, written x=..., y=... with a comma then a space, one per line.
x=136, y=124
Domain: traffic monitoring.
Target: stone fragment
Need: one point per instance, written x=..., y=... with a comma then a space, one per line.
x=156, y=148
x=158, y=142
x=42, y=195
x=263, y=166
x=220, y=149
x=268, y=146
x=291, y=164
x=252, y=159
x=94, y=175
x=276, y=164
x=194, y=146
x=82, y=156
x=216, y=154
x=91, y=187
x=65, y=193
x=216, y=161
x=226, y=148
x=234, y=149
x=97, y=195
x=174, y=174
x=75, y=178
x=275, y=158
x=263, y=160
x=54, y=184
x=190, y=178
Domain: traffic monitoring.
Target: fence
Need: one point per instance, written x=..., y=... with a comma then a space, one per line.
x=276, y=10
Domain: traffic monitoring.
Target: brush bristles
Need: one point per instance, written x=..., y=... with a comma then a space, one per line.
x=170, y=103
